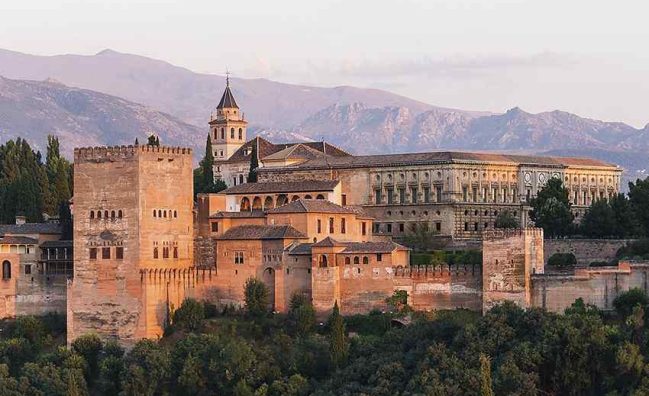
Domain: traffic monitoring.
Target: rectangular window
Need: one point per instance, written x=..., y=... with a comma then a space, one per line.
x=413, y=194
x=105, y=253
x=438, y=193
x=28, y=269
x=390, y=196
x=402, y=227
x=342, y=225
x=402, y=195
x=155, y=252
x=389, y=228
x=363, y=228
x=466, y=226
x=426, y=194
x=379, y=257
x=165, y=252
x=343, y=199
x=377, y=227
x=319, y=226
x=175, y=252
x=438, y=226
x=93, y=253
x=119, y=253
x=475, y=194
x=465, y=194
x=377, y=196
x=215, y=227
x=331, y=225
x=238, y=257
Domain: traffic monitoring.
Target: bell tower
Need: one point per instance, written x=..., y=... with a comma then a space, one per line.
x=227, y=126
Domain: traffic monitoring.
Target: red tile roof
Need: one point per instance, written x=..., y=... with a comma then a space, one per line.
x=283, y=187
x=312, y=206
x=264, y=232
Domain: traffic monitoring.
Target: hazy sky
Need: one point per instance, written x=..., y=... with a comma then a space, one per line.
x=588, y=57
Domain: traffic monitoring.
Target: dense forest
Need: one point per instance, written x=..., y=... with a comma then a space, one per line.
x=210, y=351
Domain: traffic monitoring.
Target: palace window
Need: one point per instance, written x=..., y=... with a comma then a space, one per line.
x=465, y=193
x=231, y=133
x=331, y=225
x=119, y=214
x=319, y=226
x=343, y=199
x=363, y=228
x=222, y=133
x=165, y=252
x=389, y=227
x=240, y=134
x=438, y=226
x=426, y=194
x=93, y=253
x=175, y=252
x=366, y=260
x=238, y=257
x=105, y=253
x=92, y=214
x=356, y=260
x=402, y=196
x=402, y=227
x=347, y=261
x=28, y=269
x=438, y=193
x=413, y=194
x=215, y=227
x=377, y=196
x=112, y=214
x=342, y=225
x=6, y=270
x=379, y=257
x=390, y=196
x=99, y=214
x=155, y=252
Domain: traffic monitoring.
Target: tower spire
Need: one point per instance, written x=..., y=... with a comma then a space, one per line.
x=227, y=78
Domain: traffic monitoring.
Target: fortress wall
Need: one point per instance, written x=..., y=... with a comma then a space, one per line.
x=364, y=288
x=585, y=250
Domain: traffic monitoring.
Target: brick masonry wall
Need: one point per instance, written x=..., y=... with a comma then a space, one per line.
x=585, y=250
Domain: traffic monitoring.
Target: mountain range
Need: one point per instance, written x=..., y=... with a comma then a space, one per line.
x=111, y=97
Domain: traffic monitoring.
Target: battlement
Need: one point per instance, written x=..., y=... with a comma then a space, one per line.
x=438, y=271
x=491, y=235
x=112, y=153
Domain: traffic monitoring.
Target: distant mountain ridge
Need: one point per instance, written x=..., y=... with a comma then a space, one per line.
x=358, y=120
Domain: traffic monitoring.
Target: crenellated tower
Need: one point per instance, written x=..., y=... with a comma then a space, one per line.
x=227, y=126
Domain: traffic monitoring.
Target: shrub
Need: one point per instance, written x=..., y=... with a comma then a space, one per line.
x=599, y=264
x=562, y=260
x=625, y=302
x=190, y=315
x=256, y=297
x=639, y=248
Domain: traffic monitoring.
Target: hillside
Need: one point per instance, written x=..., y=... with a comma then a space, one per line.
x=81, y=117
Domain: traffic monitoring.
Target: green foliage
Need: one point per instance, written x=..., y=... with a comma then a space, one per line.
x=153, y=140
x=639, y=197
x=634, y=250
x=204, y=182
x=398, y=301
x=562, y=260
x=254, y=164
x=338, y=344
x=303, y=314
x=440, y=257
x=506, y=219
x=256, y=297
x=551, y=209
x=486, y=388
x=420, y=237
x=625, y=302
x=89, y=346
x=189, y=316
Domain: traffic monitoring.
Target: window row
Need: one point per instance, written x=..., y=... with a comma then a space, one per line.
x=366, y=260
x=97, y=214
x=232, y=133
x=343, y=226
x=401, y=227
x=426, y=195
x=106, y=253
x=165, y=252
x=163, y=213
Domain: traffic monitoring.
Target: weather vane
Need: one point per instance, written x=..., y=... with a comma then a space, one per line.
x=227, y=77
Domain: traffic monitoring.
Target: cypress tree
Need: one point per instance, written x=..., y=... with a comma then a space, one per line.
x=338, y=345
x=485, y=376
x=137, y=143
x=207, y=165
x=254, y=164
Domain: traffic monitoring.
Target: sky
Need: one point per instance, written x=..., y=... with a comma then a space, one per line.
x=586, y=57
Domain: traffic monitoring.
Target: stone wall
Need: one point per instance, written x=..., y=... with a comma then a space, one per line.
x=585, y=250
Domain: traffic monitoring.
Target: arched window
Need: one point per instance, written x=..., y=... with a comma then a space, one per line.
x=112, y=214
x=240, y=179
x=159, y=213
x=347, y=261
x=155, y=214
x=366, y=260
x=155, y=252
x=105, y=214
x=245, y=204
x=6, y=270
x=282, y=199
x=323, y=261
x=356, y=260
x=92, y=214
x=256, y=203
x=222, y=133
x=164, y=214
x=99, y=214
x=268, y=203
x=119, y=214
x=231, y=133
x=240, y=133
x=320, y=196
x=175, y=214
x=308, y=197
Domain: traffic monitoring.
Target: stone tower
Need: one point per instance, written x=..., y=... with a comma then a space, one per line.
x=227, y=126
x=133, y=240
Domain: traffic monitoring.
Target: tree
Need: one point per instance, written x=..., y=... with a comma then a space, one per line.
x=137, y=142
x=254, y=164
x=65, y=218
x=303, y=313
x=58, y=174
x=599, y=220
x=190, y=315
x=506, y=219
x=485, y=376
x=207, y=164
x=562, y=260
x=625, y=302
x=420, y=237
x=256, y=297
x=338, y=344
x=89, y=346
x=153, y=140
x=626, y=220
x=639, y=197
x=551, y=209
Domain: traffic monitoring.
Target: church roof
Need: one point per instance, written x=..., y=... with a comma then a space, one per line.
x=227, y=100
x=266, y=149
x=250, y=232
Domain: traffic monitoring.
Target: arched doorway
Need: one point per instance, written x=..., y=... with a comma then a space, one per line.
x=268, y=203
x=268, y=277
x=256, y=203
x=245, y=204
x=282, y=199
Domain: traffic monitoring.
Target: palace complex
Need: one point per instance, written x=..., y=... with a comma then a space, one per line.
x=319, y=222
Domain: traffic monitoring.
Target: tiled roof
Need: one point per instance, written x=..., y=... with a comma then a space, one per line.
x=266, y=149
x=30, y=228
x=282, y=187
x=328, y=242
x=227, y=100
x=372, y=247
x=311, y=206
x=238, y=215
x=298, y=151
x=301, y=249
x=385, y=160
x=261, y=232
x=56, y=244
x=17, y=240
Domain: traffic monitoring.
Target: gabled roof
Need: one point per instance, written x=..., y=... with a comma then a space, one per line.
x=282, y=187
x=372, y=247
x=299, y=151
x=312, y=206
x=266, y=148
x=264, y=232
x=238, y=215
x=441, y=157
x=30, y=228
x=227, y=100
x=301, y=249
x=328, y=242
x=17, y=240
